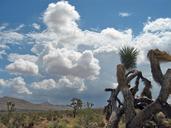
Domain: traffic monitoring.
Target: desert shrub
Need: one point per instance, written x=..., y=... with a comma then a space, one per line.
x=53, y=124
x=57, y=124
x=68, y=113
x=77, y=126
x=87, y=118
x=90, y=119
x=62, y=125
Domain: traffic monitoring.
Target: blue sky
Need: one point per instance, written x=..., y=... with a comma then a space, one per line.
x=94, y=14
x=47, y=49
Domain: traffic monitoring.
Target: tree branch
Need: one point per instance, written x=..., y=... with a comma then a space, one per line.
x=128, y=98
x=155, y=67
x=161, y=102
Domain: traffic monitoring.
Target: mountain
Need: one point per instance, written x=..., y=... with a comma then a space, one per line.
x=23, y=105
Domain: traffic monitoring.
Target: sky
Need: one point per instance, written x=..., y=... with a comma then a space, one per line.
x=54, y=50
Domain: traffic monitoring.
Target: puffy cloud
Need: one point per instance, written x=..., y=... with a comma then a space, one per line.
x=63, y=83
x=87, y=66
x=61, y=17
x=16, y=85
x=45, y=84
x=161, y=24
x=21, y=66
x=124, y=14
x=63, y=31
x=71, y=63
x=156, y=34
x=72, y=82
x=42, y=40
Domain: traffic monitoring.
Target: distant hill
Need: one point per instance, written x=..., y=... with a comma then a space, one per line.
x=23, y=105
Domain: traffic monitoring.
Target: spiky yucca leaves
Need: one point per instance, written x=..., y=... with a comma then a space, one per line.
x=128, y=57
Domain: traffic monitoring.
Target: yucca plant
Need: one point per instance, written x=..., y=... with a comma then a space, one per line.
x=128, y=57
x=76, y=104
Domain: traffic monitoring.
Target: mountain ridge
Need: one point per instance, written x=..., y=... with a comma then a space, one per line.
x=24, y=105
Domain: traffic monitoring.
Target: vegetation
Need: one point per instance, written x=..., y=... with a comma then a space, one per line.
x=142, y=111
x=10, y=108
x=89, y=105
x=86, y=118
x=128, y=57
x=76, y=104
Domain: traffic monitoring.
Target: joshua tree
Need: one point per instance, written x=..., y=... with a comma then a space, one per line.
x=90, y=105
x=128, y=57
x=10, y=107
x=76, y=104
x=133, y=118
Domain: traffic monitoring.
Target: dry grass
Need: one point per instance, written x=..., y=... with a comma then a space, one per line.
x=87, y=118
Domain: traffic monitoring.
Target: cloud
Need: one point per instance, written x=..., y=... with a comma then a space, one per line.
x=3, y=26
x=72, y=83
x=24, y=67
x=161, y=25
x=70, y=70
x=44, y=84
x=10, y=37
x=66, y=58
x=16, y=85
x=63, y=83
x=124, y=14
x=2, y=53
x=2, y=82
x=156, y=34
x=64, y=62
x=27, y=57
x=19, y=27
x=3, y=46
x=63, y=30
x=36, y=26
x=61, y=17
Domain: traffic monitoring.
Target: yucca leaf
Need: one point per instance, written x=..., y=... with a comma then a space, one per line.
x=128, y=56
